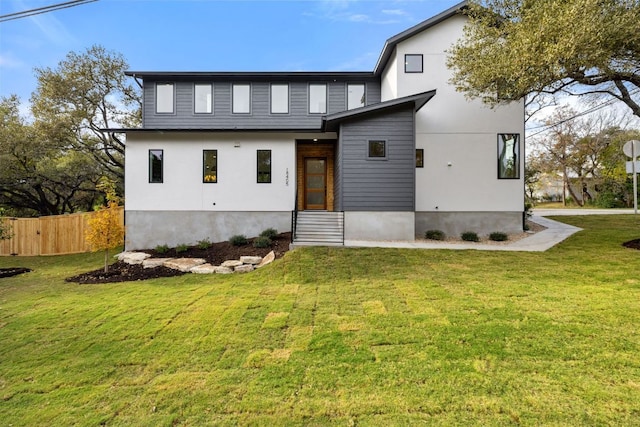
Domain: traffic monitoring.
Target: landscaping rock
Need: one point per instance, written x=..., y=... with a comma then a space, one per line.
x=184, y=264
x=204, y=269
x=154, y=262
x=244, y=268
x=253, y=260
x=268, y=259
x=231, y=263
x=223, y=270
x=133, y=257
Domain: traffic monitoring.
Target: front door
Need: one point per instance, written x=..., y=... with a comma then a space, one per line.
x=315, y=183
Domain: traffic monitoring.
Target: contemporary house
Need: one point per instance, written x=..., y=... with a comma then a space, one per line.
x=334, y=156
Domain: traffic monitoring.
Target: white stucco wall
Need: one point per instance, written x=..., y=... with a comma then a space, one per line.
x=389, y=79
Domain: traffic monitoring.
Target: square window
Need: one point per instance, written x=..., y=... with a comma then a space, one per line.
x=264, y=166
x=164, y=98
x=377, y=149
x=210, y=166
x=203, y=98
x=355, y=96
x=241, y=98
x=317, y=98
x=419, y=157
x=155, y=166
x=279, y=98
x=413, y=63
x=508, y=156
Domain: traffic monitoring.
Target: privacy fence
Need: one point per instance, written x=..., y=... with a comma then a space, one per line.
x=48, y=235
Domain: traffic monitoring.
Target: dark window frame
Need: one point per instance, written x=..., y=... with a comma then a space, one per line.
x=384, y=147
x=407, y=55
x=419, y=157
x=173, y=97
x=263, y=173
x=152, y=179
x=195, y=85
x=271, y=98
x=233, y=85
x=204, y=167
x=503, y=171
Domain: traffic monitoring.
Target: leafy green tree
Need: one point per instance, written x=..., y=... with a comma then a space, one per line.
x=5, y=227
x=512, y=49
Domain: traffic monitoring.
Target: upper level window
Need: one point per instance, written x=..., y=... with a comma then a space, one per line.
x=377, y=149
x=264, y=166
x=203, y=98
x=413, y=63
x=241, y=98
x=317, y=98
x=164, y=98
x=155, y=166
x=508, y=156
x=210, y=166
x=279, y=98
x=355, y=96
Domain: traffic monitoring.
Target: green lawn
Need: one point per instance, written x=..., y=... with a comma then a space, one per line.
x=334, y=336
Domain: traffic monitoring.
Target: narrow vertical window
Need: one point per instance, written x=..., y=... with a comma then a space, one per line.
x=377, y=149
x=317, y=98
x=264, y=166
x=419, y=157
x=210, y=166
x=355, y=96
x=164, y=98
x=155, y=166
x=203, y=98
x=508, y=156
x=413, y=63
x=241, y=98
x=279, y=98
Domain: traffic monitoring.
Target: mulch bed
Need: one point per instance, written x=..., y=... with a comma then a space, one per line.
x=633, y=244
x=13, y=271
x=216, y=254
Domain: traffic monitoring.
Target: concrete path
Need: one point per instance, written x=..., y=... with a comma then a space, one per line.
x=563, y=212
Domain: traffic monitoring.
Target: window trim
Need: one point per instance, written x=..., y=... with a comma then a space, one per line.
x=204, y=165
x=420, y=164
x=326, y=97
x=258, y=167
x=195, y=104
x=271, y=98
x=173, y=97
x=233, y=85
x=151, y=180
x=364, y=93
x=377, y=158
x=406, y=55
x=501, y=174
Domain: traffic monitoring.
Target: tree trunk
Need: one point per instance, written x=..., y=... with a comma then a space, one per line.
x=106, y=260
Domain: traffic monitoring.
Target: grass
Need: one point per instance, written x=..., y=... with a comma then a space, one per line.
x=334, y=336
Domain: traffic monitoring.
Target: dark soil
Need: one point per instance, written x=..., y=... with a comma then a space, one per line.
x=216, y=254
x=633, y=244
x=13, y=271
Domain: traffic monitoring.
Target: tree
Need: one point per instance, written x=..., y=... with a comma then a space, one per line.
x=5, y=227
x=512, y=49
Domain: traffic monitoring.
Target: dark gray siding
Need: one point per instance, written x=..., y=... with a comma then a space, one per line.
x=377, y=185
x=337, y=176
x=260, y=117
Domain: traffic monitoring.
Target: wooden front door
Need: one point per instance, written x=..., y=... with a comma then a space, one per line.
x=315, y=183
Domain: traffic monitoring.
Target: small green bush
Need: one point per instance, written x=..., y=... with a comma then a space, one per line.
x=181, y=248
x=470, y=236
x=435, y=235
x=204, y=244
x=498, y=236
x=262, y=242
x=271, y=233
x=162, y=249
x=238, y=240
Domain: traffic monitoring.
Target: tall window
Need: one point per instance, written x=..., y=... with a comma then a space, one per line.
x=210, y=166
x=203, y=98
x=413, y=63
x=355, y=96
x=279, y=98
x=241, y=98
x=155, y=166
x=317, y=98
x=508, y=156
x=264, y=166
x=419, y=157
x=164, y=98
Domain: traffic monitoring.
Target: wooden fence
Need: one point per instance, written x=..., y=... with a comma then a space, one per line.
x=48, y=235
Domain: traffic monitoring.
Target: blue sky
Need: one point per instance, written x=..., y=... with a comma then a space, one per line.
x=207, y=35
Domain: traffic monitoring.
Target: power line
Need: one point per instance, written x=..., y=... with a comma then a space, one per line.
x=45, y=9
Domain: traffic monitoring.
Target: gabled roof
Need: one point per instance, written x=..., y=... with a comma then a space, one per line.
x=330, y=122
x=391, y=43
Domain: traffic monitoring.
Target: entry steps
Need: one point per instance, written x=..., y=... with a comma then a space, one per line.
x=320, y=228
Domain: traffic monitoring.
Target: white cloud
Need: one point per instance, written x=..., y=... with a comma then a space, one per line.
x=395, y=12
x=363, y=62
x=7, y=60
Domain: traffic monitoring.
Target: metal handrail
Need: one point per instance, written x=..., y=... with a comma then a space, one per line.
x=294, y=218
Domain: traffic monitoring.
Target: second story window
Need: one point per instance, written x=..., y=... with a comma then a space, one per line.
x=241, y=98
x=413, y=63
x=317, y=98
x=203, y=98
x=279, y=98
x=164, y=98
x=355, y=96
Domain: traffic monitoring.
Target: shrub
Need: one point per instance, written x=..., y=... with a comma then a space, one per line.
x=470, y=236
x=204, y=244
x=498, y=236
x=162, y=249
x=238, y=240
x=262, y=242
x=435, y=235
x=181, y=248
x=270, y=233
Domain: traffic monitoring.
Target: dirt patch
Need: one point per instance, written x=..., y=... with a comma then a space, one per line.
x=13, y=271
x=216, y=254
x=632, y=244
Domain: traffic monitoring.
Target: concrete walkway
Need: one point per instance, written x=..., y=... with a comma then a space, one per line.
x=563, y=212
